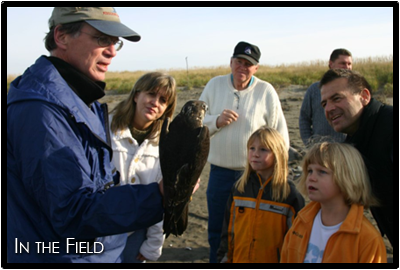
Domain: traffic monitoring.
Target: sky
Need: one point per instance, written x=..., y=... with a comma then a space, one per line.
x=177, y=38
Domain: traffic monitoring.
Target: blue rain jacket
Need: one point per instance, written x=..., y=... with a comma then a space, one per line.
x=59, y=204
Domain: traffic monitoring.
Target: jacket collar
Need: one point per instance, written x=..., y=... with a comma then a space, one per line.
x=351, y=224
x=125, y=133
x=368, y=118
x=42, y=81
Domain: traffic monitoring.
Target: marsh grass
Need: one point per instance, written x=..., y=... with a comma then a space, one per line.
x=377, y=70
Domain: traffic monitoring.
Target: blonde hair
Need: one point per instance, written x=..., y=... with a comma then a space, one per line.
x=124, y=112
x=273, y=140
x=349, y=172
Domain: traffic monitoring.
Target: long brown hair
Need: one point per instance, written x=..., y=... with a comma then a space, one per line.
x=124, y=112
x=273, y=140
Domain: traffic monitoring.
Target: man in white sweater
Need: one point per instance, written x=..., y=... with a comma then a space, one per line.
x=239, y=103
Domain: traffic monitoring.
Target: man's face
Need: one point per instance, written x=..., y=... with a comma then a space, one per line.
x=85, y=54
x=242, y=70
x=342, y=107
x=344, y=62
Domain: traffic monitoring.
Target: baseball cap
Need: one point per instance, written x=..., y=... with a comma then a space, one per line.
x=247, y=51
x=104, y=19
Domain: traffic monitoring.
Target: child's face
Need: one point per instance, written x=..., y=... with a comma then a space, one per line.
x=261, y=159
x=320, y=185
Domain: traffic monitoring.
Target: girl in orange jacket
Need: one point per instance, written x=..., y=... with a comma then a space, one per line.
x=332, y=228
x=262, y=204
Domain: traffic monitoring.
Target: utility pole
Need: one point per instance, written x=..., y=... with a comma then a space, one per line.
x=187, y=69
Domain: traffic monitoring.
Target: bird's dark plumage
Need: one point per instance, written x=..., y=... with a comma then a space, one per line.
x=184, y=146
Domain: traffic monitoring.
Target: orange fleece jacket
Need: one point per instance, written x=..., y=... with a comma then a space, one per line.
x=356, y=241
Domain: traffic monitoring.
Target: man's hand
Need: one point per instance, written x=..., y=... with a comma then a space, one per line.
x=226, y=118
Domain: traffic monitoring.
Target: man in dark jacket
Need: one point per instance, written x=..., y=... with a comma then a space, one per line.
x=62, y=205
x=350, y=109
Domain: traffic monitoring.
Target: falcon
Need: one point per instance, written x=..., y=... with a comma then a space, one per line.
x=184, y=146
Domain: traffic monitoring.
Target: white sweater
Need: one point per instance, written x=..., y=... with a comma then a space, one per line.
x=139, y=164
x=256, y=106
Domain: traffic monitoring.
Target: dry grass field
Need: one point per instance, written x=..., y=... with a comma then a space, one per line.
x=378, y=71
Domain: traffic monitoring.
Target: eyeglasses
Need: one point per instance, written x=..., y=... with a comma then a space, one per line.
x=105, y=41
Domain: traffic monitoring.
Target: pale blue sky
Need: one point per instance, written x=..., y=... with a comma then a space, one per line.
x=207, y=36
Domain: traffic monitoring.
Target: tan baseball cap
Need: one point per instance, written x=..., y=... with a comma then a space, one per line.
x=104, y=19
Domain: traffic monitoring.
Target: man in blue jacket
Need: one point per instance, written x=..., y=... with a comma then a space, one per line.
x=62, y=202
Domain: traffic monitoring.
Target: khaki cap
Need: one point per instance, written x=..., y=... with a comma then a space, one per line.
x=104, y=19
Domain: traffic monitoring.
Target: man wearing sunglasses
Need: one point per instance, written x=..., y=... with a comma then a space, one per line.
x=63, y=201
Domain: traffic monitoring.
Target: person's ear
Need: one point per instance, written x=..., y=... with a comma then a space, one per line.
x=60, y=38
x=365, y=97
